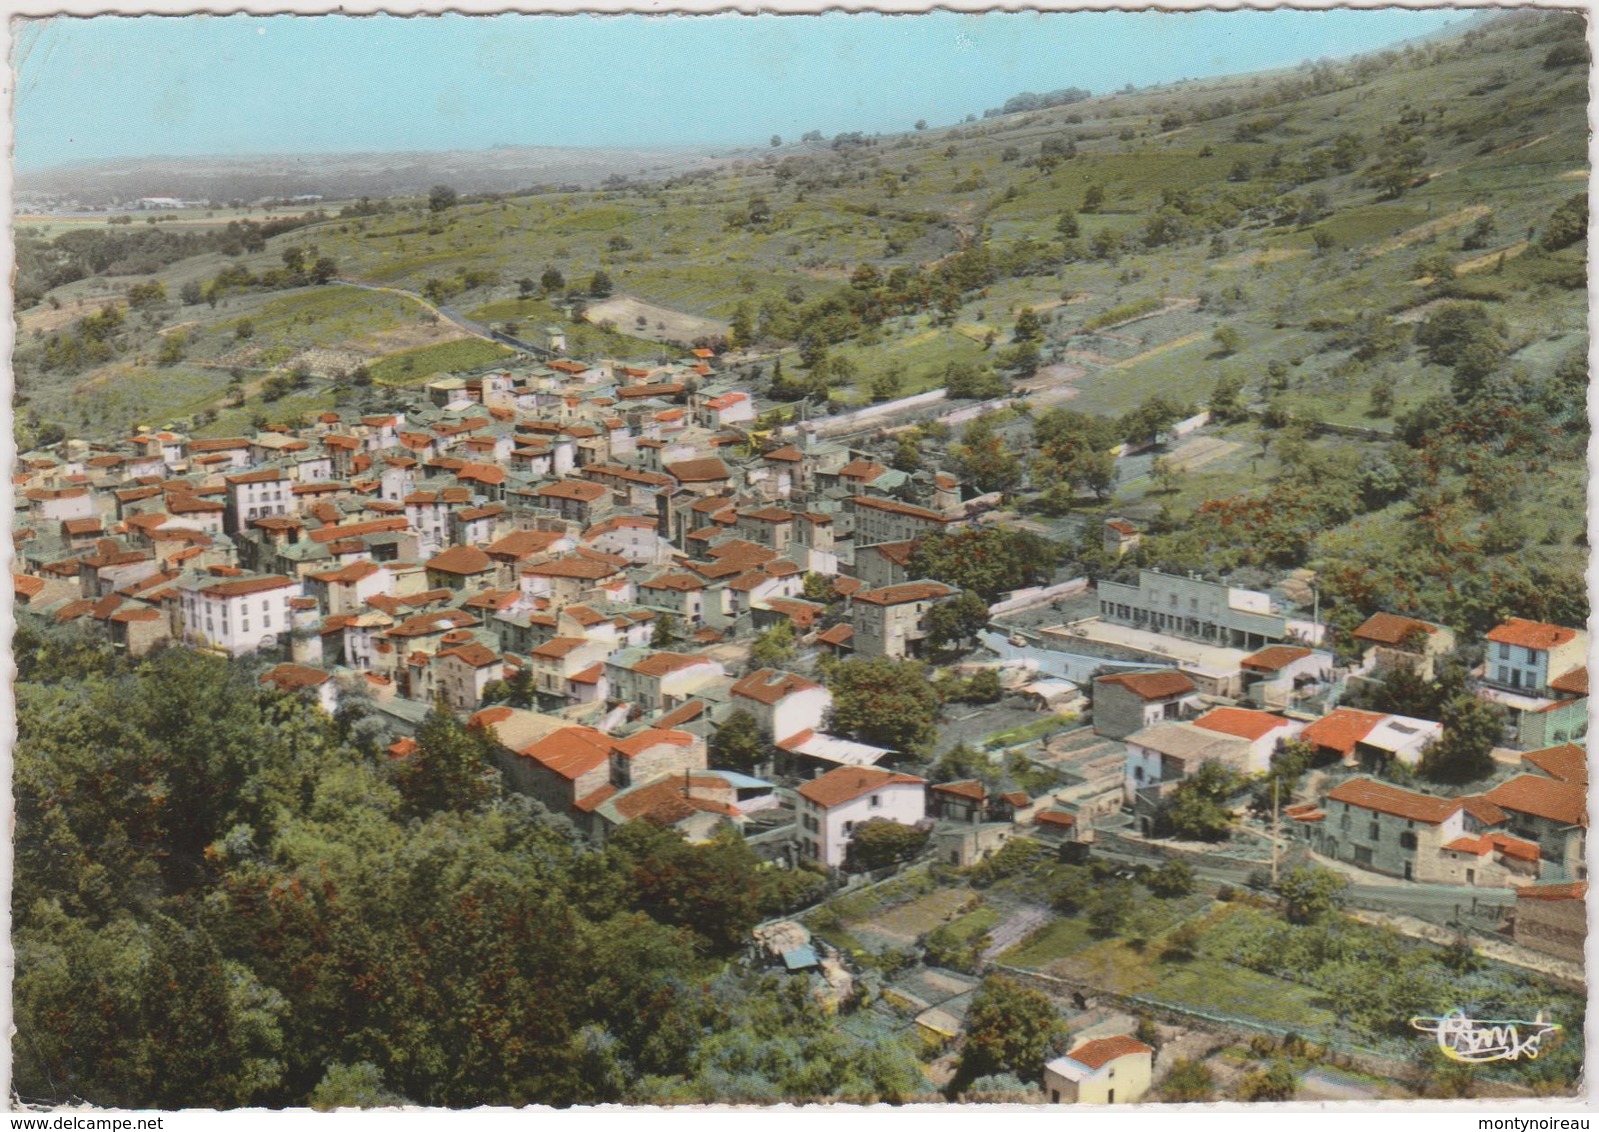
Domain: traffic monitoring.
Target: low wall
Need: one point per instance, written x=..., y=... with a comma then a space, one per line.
x=1037, y=595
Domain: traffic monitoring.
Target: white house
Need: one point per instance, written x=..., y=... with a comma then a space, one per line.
x=834, y=804
x=783, y=704
x=236, y=615
x=1115, y=1070
x=256, y=495
x=1263, y=731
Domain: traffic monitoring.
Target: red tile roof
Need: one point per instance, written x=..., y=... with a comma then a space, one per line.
x=1274, y=658
x=245, y=586
x=895, y=507
x=1242, y=722
x=1152, y=685
x=847, y=783
x=1564, y=803
x=571, y=752
x=461, y=560
x=1573, y=683
x=1577, y=890
x=1531, y=634
x=705, y=470
x=1341, y=729
x=904, y=593
x=768, y=686
x=666, y=663
x=1565, y=763
x=1102, y=1051
x=1391, y=629
x=838, y=635
x=971, y=788
x=290, y=677
x=1379, y=797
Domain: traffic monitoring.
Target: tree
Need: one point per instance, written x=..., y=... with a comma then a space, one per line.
x=1227, y=340
x=1009, y=1029
x=450, y=769
x=777, y=140
x=172, y=348
x=818, y=588
x=1310, y=893
x=353, y=1086
x=600, y=285
x=955, y=623
x=1029, y=328
x=142, y=295
x=885, y=702
x=324, y=269
x=879, y=843
x=741, y=329
x=738, y=743
x=1110, y=906
x=984, y=458
x=1068, y=226
x=921, y=123
x=965, y=380
x=1144, y=424
x=441, y=198
x=1278, y=1083
x=1188, y=1082
x=192, y=293
x=1196, y=809
x=1226, y=402
x=1567, y=225
x=775, y=646
x=1472, y=728
x=1093, y=199
x=1174, y=878
x=1165, y=474
x=907, y=453
x=665, y=632
x=551, y=280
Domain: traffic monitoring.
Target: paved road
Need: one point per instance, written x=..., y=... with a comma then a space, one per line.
x=1435, y=903
x=471, y=326
x=1071, y=666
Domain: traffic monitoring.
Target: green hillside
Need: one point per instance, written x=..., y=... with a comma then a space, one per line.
x=1282, y=233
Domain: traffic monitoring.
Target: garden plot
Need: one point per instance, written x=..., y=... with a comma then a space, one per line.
x=1201, y=451
x=903, y=925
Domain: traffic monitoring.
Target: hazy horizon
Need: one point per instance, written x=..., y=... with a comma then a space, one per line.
x=115, y=88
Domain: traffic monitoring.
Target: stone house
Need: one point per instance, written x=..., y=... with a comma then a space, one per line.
x=1132, y=701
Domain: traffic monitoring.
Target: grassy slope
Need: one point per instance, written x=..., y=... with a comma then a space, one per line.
x=674, y=245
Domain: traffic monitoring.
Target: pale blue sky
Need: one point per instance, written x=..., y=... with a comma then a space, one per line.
x=107, y=87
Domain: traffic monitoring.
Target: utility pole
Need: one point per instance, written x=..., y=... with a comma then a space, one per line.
x=1274, y=832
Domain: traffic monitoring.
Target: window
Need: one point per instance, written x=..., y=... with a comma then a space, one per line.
x=877, y=801
x=1407, y=841
x=1504, y=652
x=1375, y=832
x=1504, y=674
x=1532, y=658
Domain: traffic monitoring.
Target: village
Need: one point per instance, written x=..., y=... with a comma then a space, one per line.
x=656, y=603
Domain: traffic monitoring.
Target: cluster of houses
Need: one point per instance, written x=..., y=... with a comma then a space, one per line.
x=604, y=538
x=1526, y=830
x=607, y=539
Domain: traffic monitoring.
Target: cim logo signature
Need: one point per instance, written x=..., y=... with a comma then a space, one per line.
x=1462, y=1038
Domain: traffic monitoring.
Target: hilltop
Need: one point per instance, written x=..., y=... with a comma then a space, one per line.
x=503, y=169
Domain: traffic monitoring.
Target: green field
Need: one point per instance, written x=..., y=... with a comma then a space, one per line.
x=412, y=367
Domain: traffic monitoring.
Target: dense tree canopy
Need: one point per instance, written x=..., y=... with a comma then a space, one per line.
x=885, y=702
x=220, y=899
